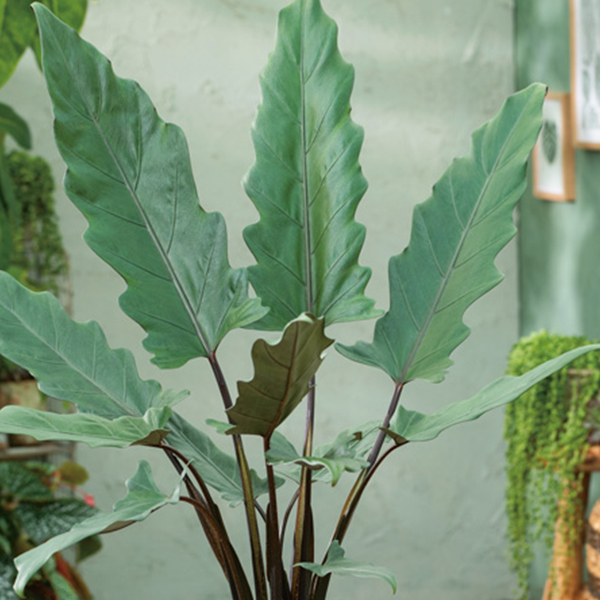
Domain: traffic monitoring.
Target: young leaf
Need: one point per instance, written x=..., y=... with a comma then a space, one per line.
x=456, y=235
x=129, y=173
x=338, y=564
x=282, y=373
x=218, y=469
x=17, y=27
x=418, y=427
x=71, y=361
x=14, y=125
x=88, y=429
x=142, y=499
x=307, y=182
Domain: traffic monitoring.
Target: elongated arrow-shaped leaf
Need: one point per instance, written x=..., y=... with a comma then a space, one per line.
x=71, y=361
x=129, y=173
x=17, y=28
x=456, y=235
x=307, y=182
x=418, y=427
x=142, y=499
x=338, y=564
x=88, y=429
x=218, y=469
x=14, y=125
x=282, y=373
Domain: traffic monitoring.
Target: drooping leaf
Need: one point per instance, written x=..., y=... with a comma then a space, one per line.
x=218, y=468
x=71, y=12
x=129, y=173
x=43, y=520
x=20, y=483
x=307, y=182
x=456, y=235
x=418, y=427
x=282, y=373
x=142, y=499
x=17, y=28
x=338, y=564
x=71, y=361
x=87, y=429
x=14, y=125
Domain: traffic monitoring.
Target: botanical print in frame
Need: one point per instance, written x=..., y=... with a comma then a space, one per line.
x=585, y=72
x=554, y=155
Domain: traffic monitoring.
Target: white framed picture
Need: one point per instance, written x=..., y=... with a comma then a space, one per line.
x=554, y=154
x=585, y=73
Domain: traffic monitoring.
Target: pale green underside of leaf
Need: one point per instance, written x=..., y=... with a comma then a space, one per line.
x=87, y=429
x=418, y=427
x=142, y=499
x=72, y=361
x=17, y=27
x=282, y=374
x=14, y=125
x=218, y=468
x=129, y=173
x=338, y=564
x=456, y=235
x=307, y=182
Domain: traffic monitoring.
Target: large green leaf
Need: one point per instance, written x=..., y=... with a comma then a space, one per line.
x=142, y=499
x=88, y=429
x=17, y=28
x=14, y=125
x=129, y=173
x=218, y=469
x=71, y=361
x=418, y=427
x=43, y=520
x=307, y=182
x=282, y=373
x=456, y=235
x=338, y=564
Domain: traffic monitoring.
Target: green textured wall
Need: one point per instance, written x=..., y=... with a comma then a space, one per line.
x=559, y=243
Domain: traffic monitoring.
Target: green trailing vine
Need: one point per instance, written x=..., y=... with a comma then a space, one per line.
x=548, y=431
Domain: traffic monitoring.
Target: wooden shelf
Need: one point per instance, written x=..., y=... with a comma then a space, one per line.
x=37, y=451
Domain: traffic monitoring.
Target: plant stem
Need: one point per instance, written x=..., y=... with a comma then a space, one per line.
x=386, y=424
x=260, y=582
x=286, y=516
x=304, y=533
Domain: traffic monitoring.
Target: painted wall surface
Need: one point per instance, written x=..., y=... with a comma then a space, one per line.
x=429, y=72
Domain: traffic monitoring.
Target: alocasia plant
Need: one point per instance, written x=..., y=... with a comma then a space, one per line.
x=129, y=173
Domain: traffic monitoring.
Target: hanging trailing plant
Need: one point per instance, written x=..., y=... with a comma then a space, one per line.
x=548, y=431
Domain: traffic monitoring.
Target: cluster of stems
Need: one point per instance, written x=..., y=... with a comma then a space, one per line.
x=299, y=584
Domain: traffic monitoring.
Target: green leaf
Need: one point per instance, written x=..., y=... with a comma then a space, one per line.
x=282, y=373
x=418, y=427
x=88, y=429
x=70, y=12
x=17, y=28
x=142, y=499
x=7, y=578
x=60, y=586
x=307, y=182
x=129, y=173
x=43, y=520
x=71, y=361
x=338, y=564
x=20, y=483
x=456, y=235
x=15, y=126
x=218, y=469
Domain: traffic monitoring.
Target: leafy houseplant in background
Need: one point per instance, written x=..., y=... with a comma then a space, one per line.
x=548, y=433
x=129, y=173
x=30, y=513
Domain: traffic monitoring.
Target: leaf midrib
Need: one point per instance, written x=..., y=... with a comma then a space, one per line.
x=125, y=181
x=466, y=230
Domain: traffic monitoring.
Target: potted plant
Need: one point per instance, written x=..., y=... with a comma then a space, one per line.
x=129, y=173
x=548, y=433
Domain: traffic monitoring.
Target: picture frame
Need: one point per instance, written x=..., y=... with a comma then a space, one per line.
x=554, y=153
x=585, y=73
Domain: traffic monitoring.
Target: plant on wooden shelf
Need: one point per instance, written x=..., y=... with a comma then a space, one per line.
x=129, y=173
x=33, y=508
x=548, y=432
